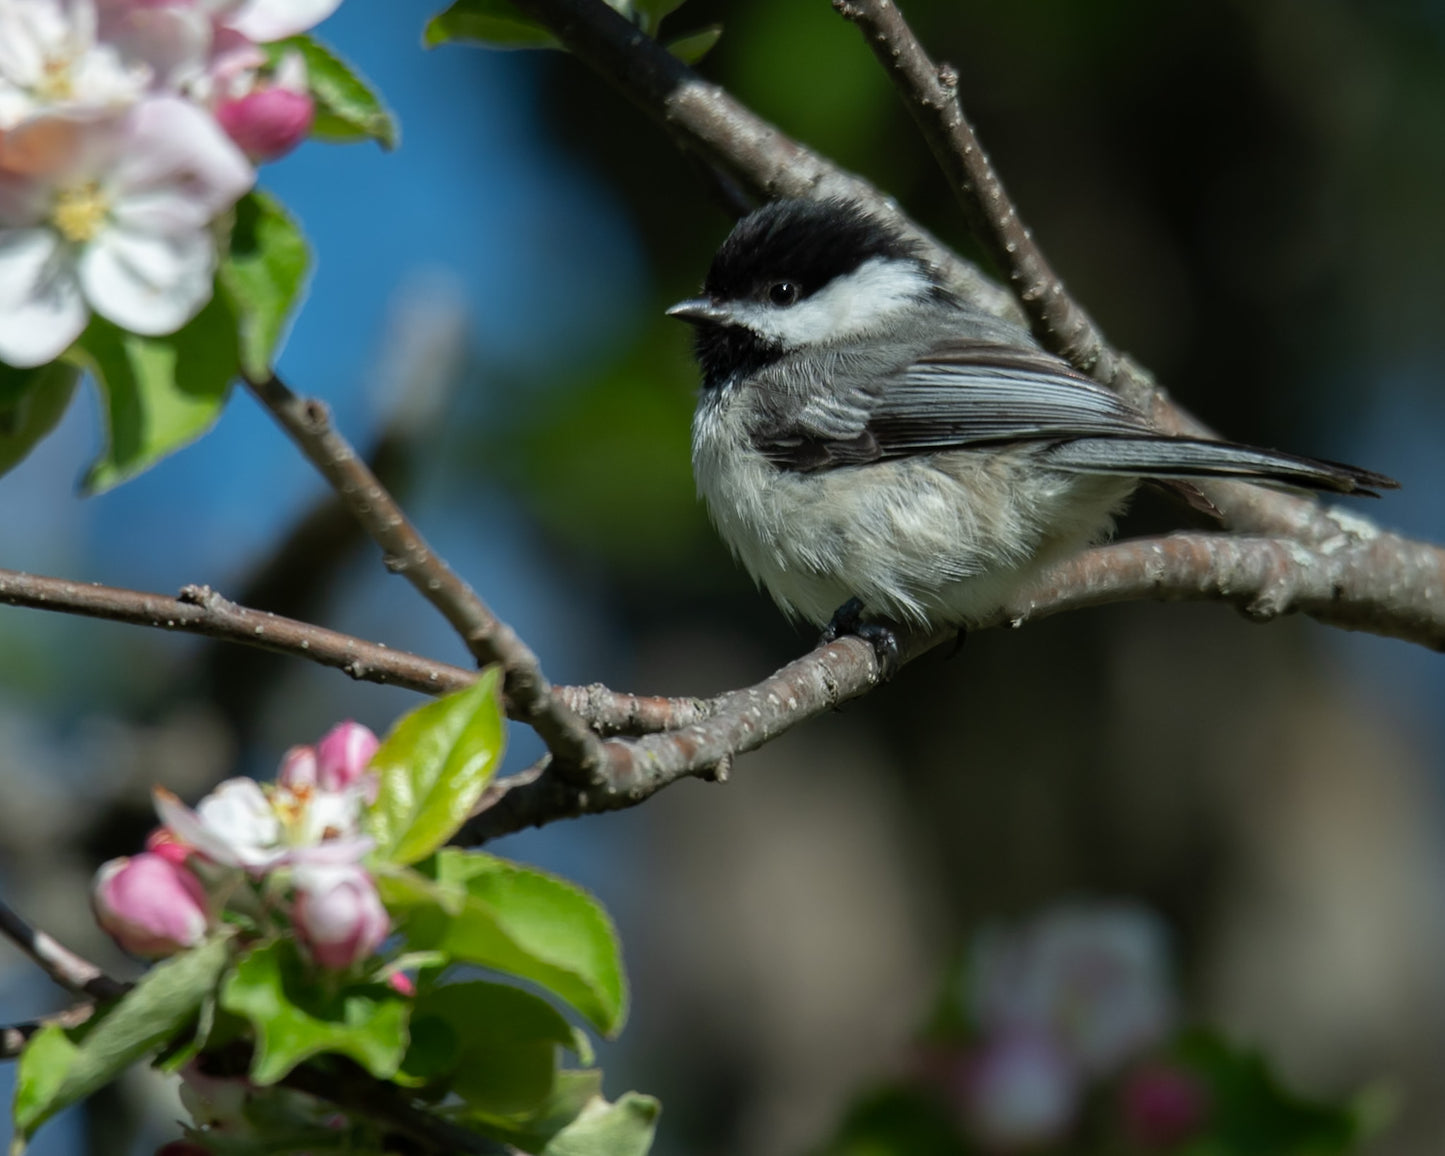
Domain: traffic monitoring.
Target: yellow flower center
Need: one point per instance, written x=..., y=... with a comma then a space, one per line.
x=56, y=82
x=80, y=211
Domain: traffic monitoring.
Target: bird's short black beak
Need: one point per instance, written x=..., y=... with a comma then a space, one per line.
x=700, y=311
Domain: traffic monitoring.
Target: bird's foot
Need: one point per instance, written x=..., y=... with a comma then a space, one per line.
x=848, y=619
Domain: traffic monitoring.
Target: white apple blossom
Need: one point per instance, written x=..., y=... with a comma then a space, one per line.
x=120, y=226
x=241, y=824
x=267, y=20
x=52, y=64
x=1096, y=977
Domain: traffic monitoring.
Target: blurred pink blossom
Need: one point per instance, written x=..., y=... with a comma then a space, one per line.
x=1162, y=1106
x=1094, y=976
x=121, y=227
x=1019, y=1091
x=149, y=905
x=338, y=914
x=53, y=64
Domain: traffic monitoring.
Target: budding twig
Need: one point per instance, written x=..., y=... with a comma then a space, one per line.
x=575, y=749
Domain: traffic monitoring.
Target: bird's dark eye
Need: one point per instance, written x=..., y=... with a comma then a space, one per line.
x=783, y=293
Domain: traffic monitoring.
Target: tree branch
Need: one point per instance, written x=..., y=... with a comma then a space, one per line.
x=1358, y=581
x=69, y=970
x=14, y=1037
x=575, y=749
x=200, y=610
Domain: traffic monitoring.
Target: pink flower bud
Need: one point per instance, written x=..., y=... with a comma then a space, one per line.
x=343, y=755
x=149, y=905
x=1162, y=1107
x=338, y=914
x=267, y=123
x=298, y=768
x=401, y=983
x=163, y=842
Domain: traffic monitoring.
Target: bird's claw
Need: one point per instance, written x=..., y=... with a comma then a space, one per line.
x=848, y=619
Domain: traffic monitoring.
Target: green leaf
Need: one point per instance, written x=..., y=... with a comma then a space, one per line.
x=602, y=1129
x=262, y=277
x=525, y=923
x=655, y=10
x=61, y=1067
x=158, y=393
x=296, y=1015
x=32, y=402
x=1252, y=1114
x=433, y=767
x=571, y=1092
x=693, y=47
x=494, y=23
x=495, y=1045
x=348, y=108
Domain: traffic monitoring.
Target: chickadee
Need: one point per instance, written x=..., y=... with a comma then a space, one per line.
x=869, y=444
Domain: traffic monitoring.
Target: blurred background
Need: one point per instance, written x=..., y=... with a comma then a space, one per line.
x=1247, y=195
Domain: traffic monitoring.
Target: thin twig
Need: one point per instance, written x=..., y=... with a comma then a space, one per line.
x=578, y=755
x=1356, y=581
x=14, y=1037
x=69, y=970
x=200, y=610
x=931, y=93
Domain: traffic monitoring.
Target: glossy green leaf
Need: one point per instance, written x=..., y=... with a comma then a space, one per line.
x=525, y=923
x=571, y=1093
x=60, y=1067
x=493, y=23
x=495, y=1046
x=263, y=276
x=32, y=402
x=433, y=767
x=296, y=1014
x=602, y=1129
x=158, y=393
x=348, y=108
x=693, y=47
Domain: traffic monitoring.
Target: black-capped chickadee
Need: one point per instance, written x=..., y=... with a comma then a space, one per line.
x=870, y=445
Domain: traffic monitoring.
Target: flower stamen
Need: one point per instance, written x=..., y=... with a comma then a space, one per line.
x=80, y=211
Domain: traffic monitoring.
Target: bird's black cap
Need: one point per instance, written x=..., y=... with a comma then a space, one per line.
x=806, y=242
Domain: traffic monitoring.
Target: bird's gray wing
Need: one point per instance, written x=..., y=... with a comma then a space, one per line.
x=964, y=395
x=959, y=395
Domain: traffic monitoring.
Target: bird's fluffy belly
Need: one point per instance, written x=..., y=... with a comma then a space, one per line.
x=939, y=539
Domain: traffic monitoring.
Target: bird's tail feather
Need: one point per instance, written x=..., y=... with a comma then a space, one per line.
x=1167, y=457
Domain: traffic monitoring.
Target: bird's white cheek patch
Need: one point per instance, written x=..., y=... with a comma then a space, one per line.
x=861, y=302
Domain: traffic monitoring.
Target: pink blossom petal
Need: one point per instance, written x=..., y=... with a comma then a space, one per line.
x=172, y=145
x=145, y=283
x=234, y=825
x=267, y=20
x=41, y=308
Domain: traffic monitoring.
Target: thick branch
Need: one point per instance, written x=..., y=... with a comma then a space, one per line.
x=576, y=752
x=69, y=970
x=1356, y=581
